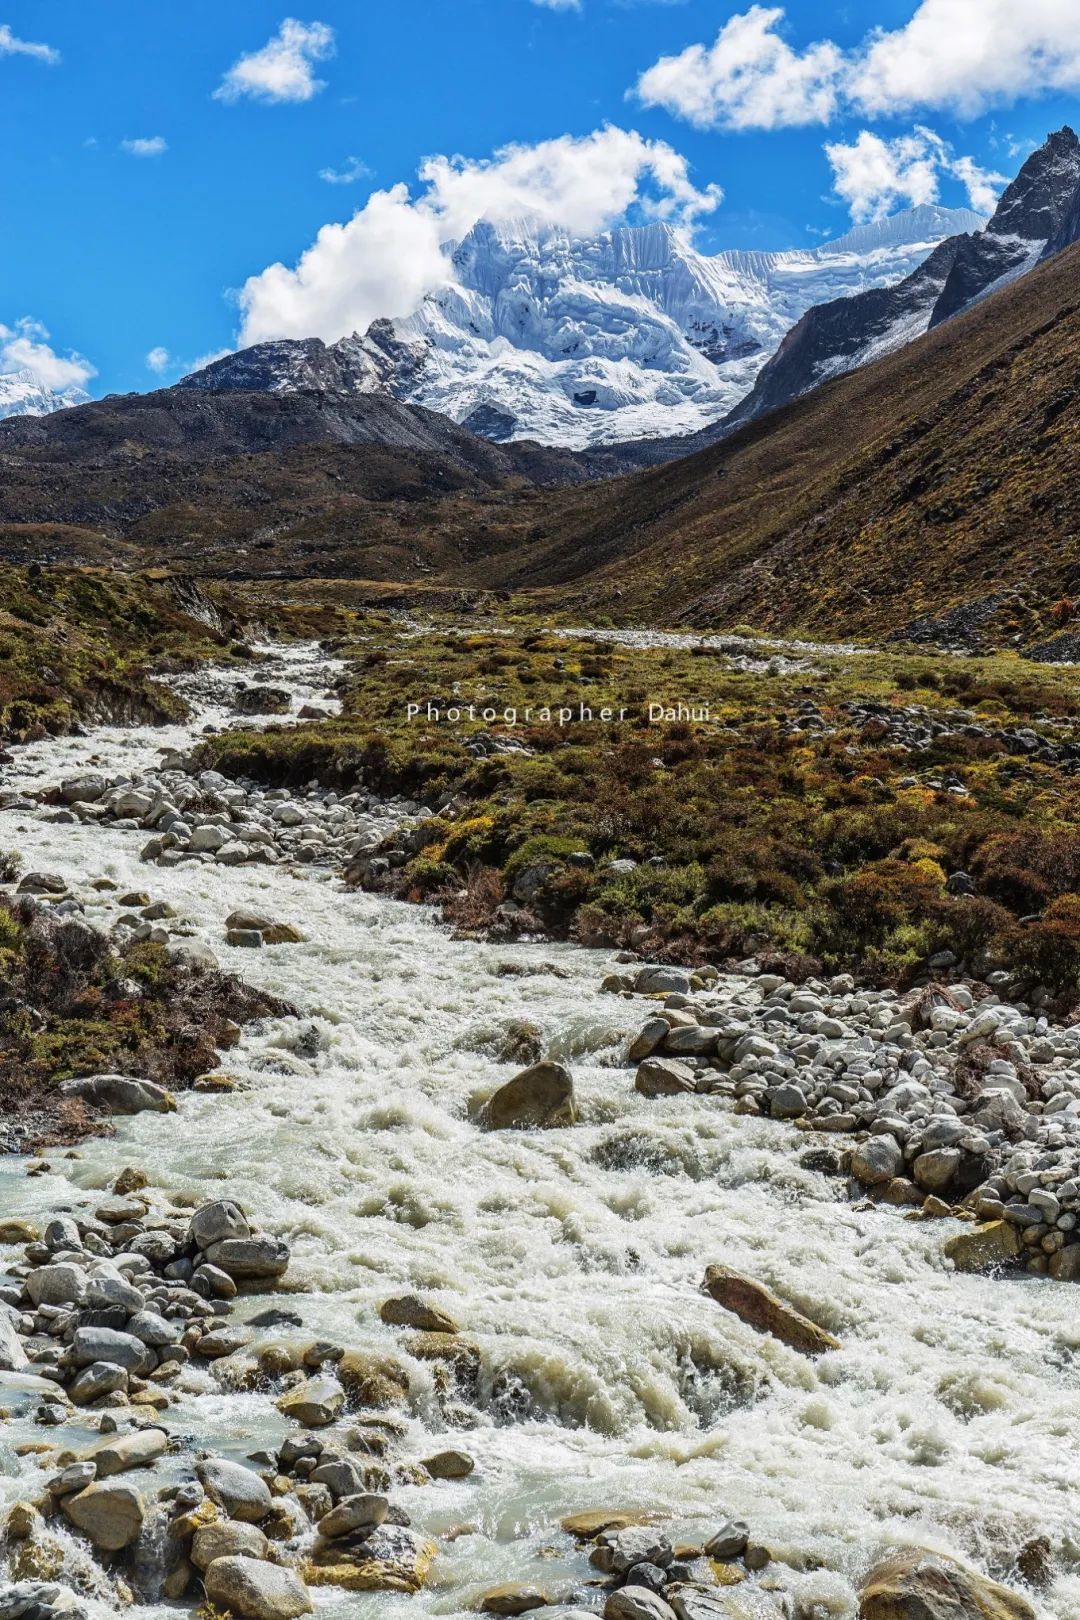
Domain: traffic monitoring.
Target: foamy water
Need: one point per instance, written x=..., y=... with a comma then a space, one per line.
x=950, y=1418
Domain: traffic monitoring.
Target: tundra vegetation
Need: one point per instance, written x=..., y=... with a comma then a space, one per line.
x=865, y=811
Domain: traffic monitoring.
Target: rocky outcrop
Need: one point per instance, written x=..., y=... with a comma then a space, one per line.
x=1037, y=215
x=920, y=1585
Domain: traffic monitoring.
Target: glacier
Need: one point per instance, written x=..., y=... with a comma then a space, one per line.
x=630, y=334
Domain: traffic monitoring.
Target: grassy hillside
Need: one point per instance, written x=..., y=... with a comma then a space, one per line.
x=80, y=644
x=942, y=474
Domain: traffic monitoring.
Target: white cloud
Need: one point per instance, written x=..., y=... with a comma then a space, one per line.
x=983, y=185
x=386, y=258
x=25, y=346
x=558, y=5
x=283, y=69
x=158, y=360
x=874, y=176
x=968, y=55
x=351, y=171
x=145, y=146
x=11, y=45
x=749, y=78
x=960, y=55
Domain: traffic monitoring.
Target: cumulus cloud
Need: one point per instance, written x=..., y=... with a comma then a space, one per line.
x=749, y=78
x=386, y=258
x=351, y=171
x=874, y=176
x=158, y=360
x=283, y=70
x=26, y=347
x=145, y=146
x=11, y=45
x=959, y=55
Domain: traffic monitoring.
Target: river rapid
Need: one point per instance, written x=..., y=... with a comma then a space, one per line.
x=574, y=1257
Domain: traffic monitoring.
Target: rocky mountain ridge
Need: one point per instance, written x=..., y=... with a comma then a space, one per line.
x=1038, y=215
x=587, y=341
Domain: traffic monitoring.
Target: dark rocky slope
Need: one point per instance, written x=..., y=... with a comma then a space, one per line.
x=1038, y=214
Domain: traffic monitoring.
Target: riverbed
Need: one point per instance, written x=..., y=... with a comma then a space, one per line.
x=949, y=1418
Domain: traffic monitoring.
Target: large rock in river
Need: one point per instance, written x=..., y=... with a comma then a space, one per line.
x=916, y=1584
x=758, y=1306
x=120, y=1094
x=110, y=1512
x=542, y=1095
x=250, y=1589
x=391, y=1559
x=983, y=1248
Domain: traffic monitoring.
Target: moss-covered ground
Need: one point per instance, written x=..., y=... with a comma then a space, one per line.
x=790, y=823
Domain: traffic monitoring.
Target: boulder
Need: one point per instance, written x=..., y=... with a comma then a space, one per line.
x=763, y=1310
x=541, y=1096
x=85, y=788
x=263, y=700
x=512, y=1599
x=934, y=1171
x=652, y=981
x=916, y=1584
x=63, y=1283
x=119, y=1452
x=355, y=1513
x=982, y=1248
x=664, y=1077
x=877, y=1161
x=92, y=1344
x=1065, y=1265
x=227, y=1540
x=637, y=1603
x=391, y=1559
x=594, y=1521
x=372, y=1380
x=635, y=1544
x=100, y=1378
x=213, y=1223
x=314, y=1404
x=13, y=1357
x=250, y=1589
x=256, y=1257
x=693, y=1602
x=411, y=1312
x=235, y=1489
x=652, y=1034
x=110, y=1512
x=729, y=1541
x=42, y=883
x=120, y=1094
x=449, y=1465
x=273, y=933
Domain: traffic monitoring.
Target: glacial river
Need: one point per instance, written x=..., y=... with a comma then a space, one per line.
x=950, y=1418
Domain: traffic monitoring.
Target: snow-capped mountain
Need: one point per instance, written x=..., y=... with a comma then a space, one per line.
x=1038, y=215
x=22, y=394
x=579, y=341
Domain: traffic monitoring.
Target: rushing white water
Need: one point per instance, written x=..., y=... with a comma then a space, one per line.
x=950, y=1418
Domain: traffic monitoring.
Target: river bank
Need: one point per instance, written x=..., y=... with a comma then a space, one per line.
x=570, y=1259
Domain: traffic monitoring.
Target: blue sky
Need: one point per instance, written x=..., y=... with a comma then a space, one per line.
x=157, y=158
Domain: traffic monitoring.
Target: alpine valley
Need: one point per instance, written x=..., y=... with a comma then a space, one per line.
x=540, y=938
